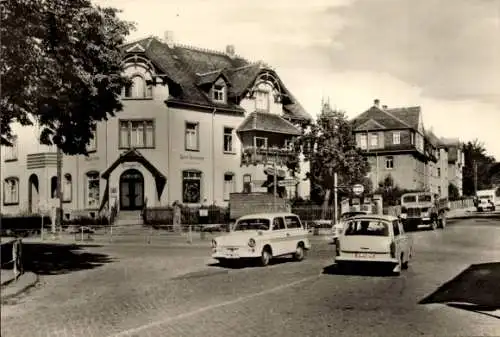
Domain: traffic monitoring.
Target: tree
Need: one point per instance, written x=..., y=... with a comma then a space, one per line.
x=61, y=68
x=475, y=155
x=391, y=193
x=330, y=147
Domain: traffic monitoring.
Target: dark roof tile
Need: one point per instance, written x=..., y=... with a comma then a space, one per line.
x=260, y=121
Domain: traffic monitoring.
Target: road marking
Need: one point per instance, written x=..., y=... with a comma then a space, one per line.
x=211, y=307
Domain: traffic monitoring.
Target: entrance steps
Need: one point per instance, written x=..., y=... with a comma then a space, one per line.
x=128, y=218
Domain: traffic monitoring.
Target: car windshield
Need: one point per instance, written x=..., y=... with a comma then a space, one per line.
x=252, y=224
x=485, y=197
x=367, y=227
x=350, y=215
x=424, y=198
x=410, y=198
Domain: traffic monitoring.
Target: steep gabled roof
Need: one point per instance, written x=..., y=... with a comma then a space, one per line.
x=382, y=117
x=409, y=115
x=191, y=68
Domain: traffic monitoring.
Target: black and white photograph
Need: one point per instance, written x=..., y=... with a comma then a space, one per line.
x=249, y=168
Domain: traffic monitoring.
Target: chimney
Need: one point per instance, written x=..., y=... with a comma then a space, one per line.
x=384, y=107
x=376, y=103
x=230, y=50
x=168, y=38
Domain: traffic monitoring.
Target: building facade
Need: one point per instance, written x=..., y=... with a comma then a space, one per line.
x=456, y=162
x=196, y=126
x=396, y=144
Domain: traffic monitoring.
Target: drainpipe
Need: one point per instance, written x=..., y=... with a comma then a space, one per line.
x=169, y=152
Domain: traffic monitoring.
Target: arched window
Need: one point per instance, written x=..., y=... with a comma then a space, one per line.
x=92, y=190
x=229, y=185
x=11, y=191
x=53, y=187
x=67, y=188
x=139, y=88
x=191, y=186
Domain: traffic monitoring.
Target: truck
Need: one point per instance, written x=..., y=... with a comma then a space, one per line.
x=485, y=200
x=423, y=209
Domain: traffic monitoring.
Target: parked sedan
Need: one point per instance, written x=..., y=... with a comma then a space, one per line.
x=374, y=239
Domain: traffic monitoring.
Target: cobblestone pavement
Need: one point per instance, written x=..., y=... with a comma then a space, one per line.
x=160, y=291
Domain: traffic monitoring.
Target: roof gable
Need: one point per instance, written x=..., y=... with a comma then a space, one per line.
x=137, y=48
x=370, y=124
x=384, y=118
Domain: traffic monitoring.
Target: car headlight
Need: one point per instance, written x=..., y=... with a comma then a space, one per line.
x=214, y=243
x=251, y=243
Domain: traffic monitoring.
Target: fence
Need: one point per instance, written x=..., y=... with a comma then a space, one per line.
x=12, y=252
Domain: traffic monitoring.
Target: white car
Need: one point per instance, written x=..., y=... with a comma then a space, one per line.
x=339, y=226
x=262, y=236
x=374, y=239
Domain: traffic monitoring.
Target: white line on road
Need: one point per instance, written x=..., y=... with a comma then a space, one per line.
x=211, y=307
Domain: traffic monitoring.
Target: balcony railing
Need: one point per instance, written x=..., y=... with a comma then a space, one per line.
x=253, y=155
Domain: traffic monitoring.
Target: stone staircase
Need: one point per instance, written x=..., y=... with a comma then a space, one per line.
x=129, y=218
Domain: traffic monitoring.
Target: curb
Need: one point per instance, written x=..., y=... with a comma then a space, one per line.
x=22, y=290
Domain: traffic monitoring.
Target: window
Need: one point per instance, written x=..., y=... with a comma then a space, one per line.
x=367, y=227
x=396, y=138
x=192, y=139
x=278, y=224
x=11, y=151
x=262, y=100
x=292, y=222
x=288, y=144
x=260, y=142
x=389, y=163
x=218, y=93
x=139, y=88
x=92, y=190
x=92, y=142
x=67, y=188
x=53, y=187
x=252, y=224
x=363, y=141
x=373, y=140
x=247, y=183
x=395, y=227
x=228, y=140
x=137, y=134
x=229, y=186
x=11, y=191
x=439, y=172
x=191, y=187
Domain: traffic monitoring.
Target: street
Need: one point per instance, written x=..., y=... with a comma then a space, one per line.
x=162, y=291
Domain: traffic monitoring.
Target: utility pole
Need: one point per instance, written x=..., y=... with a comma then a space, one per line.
x=475, y=177
x=59, y=209
x=275, y=187
x=335, y=197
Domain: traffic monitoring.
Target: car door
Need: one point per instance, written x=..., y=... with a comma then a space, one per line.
x=295, y=232
x=405, y=240
x=278, y=236
x=396, y=232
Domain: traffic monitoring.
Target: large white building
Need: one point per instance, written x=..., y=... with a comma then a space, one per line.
x=196, y=126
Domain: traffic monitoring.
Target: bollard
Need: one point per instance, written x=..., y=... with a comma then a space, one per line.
x=190, y=238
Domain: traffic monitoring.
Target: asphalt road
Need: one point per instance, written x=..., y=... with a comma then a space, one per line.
x=156, y=291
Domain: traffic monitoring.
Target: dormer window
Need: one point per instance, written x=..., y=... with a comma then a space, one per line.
x=219, y=91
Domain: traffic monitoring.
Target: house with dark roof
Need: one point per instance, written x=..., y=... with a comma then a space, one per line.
x=397, y=144
x=196, y=125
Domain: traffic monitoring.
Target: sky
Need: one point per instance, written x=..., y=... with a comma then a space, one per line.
x=442, y=55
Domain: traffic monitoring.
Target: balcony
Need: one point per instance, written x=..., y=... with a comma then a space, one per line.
x=41, y=160
x=253, y=155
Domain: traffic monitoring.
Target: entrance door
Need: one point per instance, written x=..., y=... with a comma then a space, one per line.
x=131, y=190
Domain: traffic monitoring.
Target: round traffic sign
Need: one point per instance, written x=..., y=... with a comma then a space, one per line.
x=358, y=189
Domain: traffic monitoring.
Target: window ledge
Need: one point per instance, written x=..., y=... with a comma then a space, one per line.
x=11, y=203
x=192, y=150
x=66, y=201
x=10, y=160
x=230, y=152
x=91, y=151
x=137, y=147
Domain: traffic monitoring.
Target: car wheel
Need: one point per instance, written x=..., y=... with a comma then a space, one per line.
x=299, y=253
x=404, y=264
x=265, y=257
